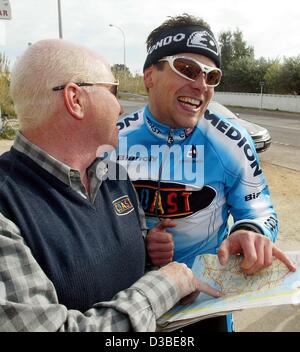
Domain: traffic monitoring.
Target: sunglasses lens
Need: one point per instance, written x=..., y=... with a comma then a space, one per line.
x=192, y=70
x=213, y=78
x=187, y=68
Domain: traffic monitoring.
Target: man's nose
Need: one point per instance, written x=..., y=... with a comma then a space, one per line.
x=200, y=82
x=121, y=109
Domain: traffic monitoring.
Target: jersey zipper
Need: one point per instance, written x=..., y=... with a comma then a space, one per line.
x=170, y=141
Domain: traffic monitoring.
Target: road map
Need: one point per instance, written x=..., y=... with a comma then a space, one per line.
x=271, y=286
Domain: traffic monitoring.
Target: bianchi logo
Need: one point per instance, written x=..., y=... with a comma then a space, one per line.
x=203, y=39
x=123, y=205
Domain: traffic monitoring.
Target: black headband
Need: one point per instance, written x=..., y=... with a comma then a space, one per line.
x=187, y=39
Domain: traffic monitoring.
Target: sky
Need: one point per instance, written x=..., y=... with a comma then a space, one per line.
x=271, y=27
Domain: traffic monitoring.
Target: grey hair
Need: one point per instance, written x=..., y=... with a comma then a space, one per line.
x=47, y=64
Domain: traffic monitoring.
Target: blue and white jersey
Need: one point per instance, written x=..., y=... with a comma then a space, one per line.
x=198, y=177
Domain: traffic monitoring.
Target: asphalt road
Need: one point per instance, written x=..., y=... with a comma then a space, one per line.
x=283, y=127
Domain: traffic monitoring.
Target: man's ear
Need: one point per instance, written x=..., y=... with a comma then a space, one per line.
x=148, y=77
x=74, y=98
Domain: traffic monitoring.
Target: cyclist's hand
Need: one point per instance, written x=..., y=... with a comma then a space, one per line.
x=159, y=243
x=258, y=251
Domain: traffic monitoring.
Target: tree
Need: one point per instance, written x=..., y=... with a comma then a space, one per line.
x=240, y=48
x=120, y=69
x=233, y=47
x=128, y=82
x=290, y=75
x=225, y=40
x=6, y=103
x=235, y=53
x=272, y=78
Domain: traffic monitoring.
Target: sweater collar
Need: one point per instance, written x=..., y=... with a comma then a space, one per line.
x=61, y=171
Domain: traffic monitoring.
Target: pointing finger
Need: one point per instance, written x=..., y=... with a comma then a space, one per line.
x=285, y=260
x=223, y=253
x=204, y=287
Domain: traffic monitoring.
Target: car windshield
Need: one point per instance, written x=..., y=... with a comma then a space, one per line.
x=221, y=110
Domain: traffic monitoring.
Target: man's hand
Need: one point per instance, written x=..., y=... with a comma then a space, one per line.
x=159, y=243
x=258, y=251
x=187, y=283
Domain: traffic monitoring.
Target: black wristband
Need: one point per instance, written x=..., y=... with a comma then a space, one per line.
x=245, y=226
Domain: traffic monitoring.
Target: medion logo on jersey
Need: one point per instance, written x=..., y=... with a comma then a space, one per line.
x=234, y=134
x=123, y=205
x=173, y=200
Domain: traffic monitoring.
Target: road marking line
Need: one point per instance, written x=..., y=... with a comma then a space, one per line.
x=282, y=143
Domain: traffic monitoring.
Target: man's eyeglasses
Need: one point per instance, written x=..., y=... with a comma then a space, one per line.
x=113, y=86
x=191, y=69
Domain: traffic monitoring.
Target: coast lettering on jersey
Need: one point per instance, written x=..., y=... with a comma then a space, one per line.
x=172, y=200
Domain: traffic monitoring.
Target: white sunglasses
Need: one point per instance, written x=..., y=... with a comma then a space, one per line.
x=190, y=69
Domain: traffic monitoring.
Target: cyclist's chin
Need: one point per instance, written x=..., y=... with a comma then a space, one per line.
x=185, y=121
x=188, y=119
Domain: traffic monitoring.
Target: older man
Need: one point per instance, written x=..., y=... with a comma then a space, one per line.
x=72, y=250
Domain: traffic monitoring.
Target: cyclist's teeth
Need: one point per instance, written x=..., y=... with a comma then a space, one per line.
x=190, y=101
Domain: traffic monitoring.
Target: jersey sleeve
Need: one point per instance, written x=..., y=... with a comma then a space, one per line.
x=248, y=194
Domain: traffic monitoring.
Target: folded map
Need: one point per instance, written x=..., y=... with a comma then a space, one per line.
x=274, y=285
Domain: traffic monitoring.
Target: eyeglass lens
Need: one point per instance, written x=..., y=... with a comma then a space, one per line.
x=192, y=70
x=114, y=89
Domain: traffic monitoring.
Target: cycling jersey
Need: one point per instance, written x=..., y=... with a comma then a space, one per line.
x=228, y=180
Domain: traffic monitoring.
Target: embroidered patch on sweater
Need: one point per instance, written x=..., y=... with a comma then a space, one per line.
x=123, y=205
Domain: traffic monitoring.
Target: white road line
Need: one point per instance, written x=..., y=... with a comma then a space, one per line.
x=285, y=144
x=276, y=142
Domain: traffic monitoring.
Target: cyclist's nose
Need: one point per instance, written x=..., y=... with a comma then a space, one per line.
x=200, y=82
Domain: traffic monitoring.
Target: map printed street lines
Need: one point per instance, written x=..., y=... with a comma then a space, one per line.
x=231, y=280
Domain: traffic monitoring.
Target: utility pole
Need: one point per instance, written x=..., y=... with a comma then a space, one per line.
x=59, y=20
x=124, y=45
x=262, y=83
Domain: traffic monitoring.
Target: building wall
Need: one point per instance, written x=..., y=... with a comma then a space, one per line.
x=289, y=103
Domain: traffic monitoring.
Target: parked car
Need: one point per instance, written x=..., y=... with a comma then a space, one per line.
x=259, y=134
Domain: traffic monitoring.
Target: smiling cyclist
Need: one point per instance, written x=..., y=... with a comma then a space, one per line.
x=191, y=168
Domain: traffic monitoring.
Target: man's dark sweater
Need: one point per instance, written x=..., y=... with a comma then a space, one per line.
x=89, y=251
